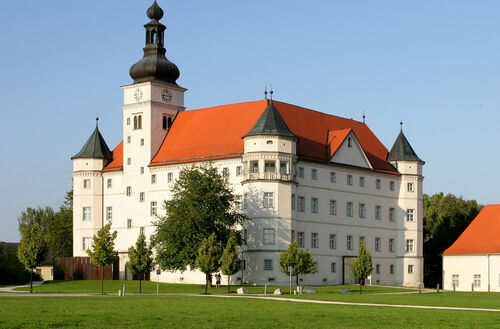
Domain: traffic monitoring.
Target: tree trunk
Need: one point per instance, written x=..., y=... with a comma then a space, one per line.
x=228, y=284
x=207, y=278
x=360, y=286
x=102, y=280
x=297, y=280
x=140, y=283
x=31, y=281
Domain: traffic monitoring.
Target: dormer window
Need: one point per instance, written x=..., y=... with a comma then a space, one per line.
x=349, y=142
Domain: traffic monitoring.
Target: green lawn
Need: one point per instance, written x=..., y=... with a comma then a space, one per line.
x=210, y=312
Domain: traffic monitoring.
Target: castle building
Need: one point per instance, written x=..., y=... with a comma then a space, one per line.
x=324, y=181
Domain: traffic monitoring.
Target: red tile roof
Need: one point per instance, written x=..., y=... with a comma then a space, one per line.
x=216, y=133
x=481, y=236
x=336, y=139
x=117, y=163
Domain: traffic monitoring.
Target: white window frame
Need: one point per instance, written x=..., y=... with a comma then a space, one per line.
x=410, y=215
x=293, y=202
x=142, y=197
x=300, y=172
x=349, y=242
x=314, y=205
x=129, y=223
x=314, y=240
x=362, y=210
x=153, y=179
x=391, y=269
x=378, y=212
x=411, y=187
x=333, y=267
x=129, y=190
x=109, y=183
x=455, y=278
x=378, y=244
x=268, y=236
x=410, y=245
x=86, y=183
x=477, y=280
x=361, y=181
x=392, y=212
x=154, y=208
x=109, y=213
x=378, y=184
x=391, y=185
x=314, y=174
x=238, y=171
x=300, y=239
x=238, y=201
x=333, y=177
x=333, y=207
x=349, y=179
x=348, y=209
x=411, y=269
x=86, y=243
x=87, y=213
x=170, y=177
x=333, y=241
x=268, y=265
x=301, y=203
x=268, y=200
x=391, y=245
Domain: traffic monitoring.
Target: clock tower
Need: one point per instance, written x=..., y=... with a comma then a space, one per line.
x=152, y=102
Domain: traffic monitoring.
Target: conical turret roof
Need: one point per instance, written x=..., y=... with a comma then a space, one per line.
x=95, y=148
x=270, y=123
x=402, y=150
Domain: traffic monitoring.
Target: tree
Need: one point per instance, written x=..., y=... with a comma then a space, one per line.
x=230, y=262
x=40, y=217
x=208, y=260
x=202, y=204
x=102, y=252
x=60, y=230
x=300, y=260
x=445, y=218
x=32, y=250
x=141, y=259
x=362, y=266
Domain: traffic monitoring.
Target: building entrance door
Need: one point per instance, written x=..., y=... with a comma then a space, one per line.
x=347, y=277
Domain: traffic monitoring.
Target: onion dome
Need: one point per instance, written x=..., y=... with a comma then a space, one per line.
x=154, y=66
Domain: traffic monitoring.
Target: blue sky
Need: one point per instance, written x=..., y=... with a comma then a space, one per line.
x=433, y=64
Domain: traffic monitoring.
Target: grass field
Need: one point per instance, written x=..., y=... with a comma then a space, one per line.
x=213, y=312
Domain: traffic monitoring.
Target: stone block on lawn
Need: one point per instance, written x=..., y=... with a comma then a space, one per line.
x=277, y=292
x=242, y=291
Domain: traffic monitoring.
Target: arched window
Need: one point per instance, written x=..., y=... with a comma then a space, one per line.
x=135, y=122
x=164, y=122
x=349, y=142
x=139, y=122
x=169, y=122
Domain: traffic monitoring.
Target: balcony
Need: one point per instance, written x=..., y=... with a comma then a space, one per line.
x=269, y=176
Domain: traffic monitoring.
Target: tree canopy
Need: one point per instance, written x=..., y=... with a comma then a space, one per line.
x=300, y=260
x=208, y=260
x=230, y=261
x=140, y=259
x=33, y=249
x=362, y=266
x=202, y=204
x=445, y=218
x=102, y=252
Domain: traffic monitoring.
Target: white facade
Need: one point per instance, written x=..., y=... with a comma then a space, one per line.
x=471, y=272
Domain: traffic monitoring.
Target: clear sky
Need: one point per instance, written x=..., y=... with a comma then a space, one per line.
x=433, y=64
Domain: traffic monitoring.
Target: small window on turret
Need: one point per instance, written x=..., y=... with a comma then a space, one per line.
x=135, y=122
x=86, y=183
x=128, y=121
x=139, y=122
x=164, y=123
x=142, y=141
x=410, y=187
x=269, y=142
x=129, y=139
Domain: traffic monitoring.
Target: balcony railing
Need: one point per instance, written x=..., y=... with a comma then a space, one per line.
x=270, y=176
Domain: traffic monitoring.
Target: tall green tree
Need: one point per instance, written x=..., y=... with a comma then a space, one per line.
x=208, y=260
x=230, y=262
x=300, y=260
x=202, y=204
x=41, y=217
x=32, y=250
x=140, y=259
x=445, y=218
x=362, y=266
x=102, y=252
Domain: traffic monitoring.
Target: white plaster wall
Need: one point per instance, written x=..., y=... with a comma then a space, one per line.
x=353, y=155
x=466, y=266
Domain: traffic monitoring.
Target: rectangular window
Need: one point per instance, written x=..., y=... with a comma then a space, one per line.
x=268, y=264
x=333, y=177
x=314, y=174
x=269, y=166
x=378, y=184
x=129, y=161
x=377, y=244
x=238, y=171
x=301, y=203
x=142, y=141
x=129, y=139
x=268, y=199
x=378, y=212
x=142, y=170
x=109, y=183
x=153, y=208
x=454, y=280
x=333, y=241
x=86, y=243
x=377, y=268
x=153, y=179
x=86, y=183
x=361, y=181
x=333, y=207
x=293, y=201
x=300, y=239
x=141, y=230
x=225, y=171
x=391, y=269
x=391, y=245
x=129, y=190
x=391, y=185
x=410, y=269
x=314, y=240
x=410, y=187
x=314, y=205
x=109, y=213
x=348, y=211
x=129, y=223
x=141, y=197
x=238, y=200
x=87, y=213
x=391, y=214
x=409, y=215
x=349, y=242
x=362, y=210
x=170, y=177
x=269, y=236
x=301, y=172
x=409, y=245
x=349, y=179
x=333, y=267
x=477, y=280
x=361, y=240
x=128, y=121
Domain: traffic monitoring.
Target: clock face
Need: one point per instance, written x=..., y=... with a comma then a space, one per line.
x=138, y=94
x=166, y=95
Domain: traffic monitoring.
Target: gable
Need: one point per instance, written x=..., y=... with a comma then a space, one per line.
x=345, y=149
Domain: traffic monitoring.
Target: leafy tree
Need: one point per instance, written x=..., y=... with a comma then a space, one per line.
x=102, y=252
x=12, y=271
x=208, y=258
x=32, y=250
x=300, y=260
x=445, y=218
x=141, y=259
x=202, y=204
x=40, y=217
x=362, y=266
x=230, y=262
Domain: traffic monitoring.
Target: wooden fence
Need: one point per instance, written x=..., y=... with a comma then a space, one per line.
x=81, y=268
